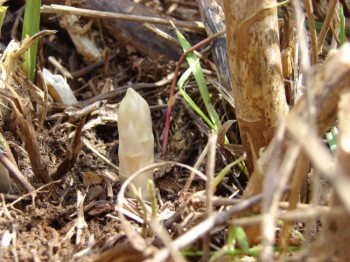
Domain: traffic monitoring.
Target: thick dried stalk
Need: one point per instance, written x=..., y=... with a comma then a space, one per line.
x=335, y=234
x=255, y=65
x=313, y=34
x=329, y=82
x=331, y=9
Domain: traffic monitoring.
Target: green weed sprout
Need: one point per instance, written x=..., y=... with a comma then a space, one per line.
x=224, y=172
x=31, y=24
x=331, y=138
x=197, y=71
x=188, y=99
x=342, y=34
x=3, y=10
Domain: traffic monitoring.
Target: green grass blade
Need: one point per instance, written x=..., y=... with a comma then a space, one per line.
x=199, y=76
x=231, y=242
x=224, y=172
x=331, y=137
x=31, y=24
x=3, y=10
x=342, y=37
x=282, y=3
x=188, y=99
x=241, y=237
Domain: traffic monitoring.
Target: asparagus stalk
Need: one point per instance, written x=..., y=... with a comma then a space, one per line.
x=136, y=140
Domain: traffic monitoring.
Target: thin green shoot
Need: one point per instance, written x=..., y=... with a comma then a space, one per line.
x=342, y=37
x=236, y=235
x=331, y=138
x=199, y=77
x=231, y=242
x=224, y=172
x=3, y=10
x=134, y=191
x=253, y=251
x=152, y=193
x=282, y=3
x=318, y=26
x=188, y=99
x=292, y=230
x=154, y=206
x=173, y=85
x=31, y=24
x=241, y=237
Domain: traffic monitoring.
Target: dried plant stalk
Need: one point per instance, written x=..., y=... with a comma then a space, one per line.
x=335, y=233
x=255, y=65
x=328, y=83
